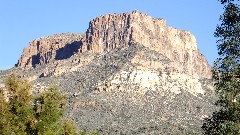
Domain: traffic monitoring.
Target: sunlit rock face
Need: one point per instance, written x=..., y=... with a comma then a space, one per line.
x=118, y=30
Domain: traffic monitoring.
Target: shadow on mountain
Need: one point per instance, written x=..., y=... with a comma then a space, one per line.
x=68, y=50
x=35, y=60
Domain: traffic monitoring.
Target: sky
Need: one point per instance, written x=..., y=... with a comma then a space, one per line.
x=23, y=21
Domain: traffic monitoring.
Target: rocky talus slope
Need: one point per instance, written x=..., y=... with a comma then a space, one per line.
x=127, y=74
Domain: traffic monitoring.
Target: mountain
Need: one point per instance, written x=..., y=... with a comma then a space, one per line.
x=128, y=73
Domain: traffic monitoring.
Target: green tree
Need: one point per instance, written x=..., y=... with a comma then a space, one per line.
x=49, y=108
x=226, y=73
x=16, y=114
x=22, y=113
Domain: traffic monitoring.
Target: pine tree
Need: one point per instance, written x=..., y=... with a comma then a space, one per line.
x=226, y=73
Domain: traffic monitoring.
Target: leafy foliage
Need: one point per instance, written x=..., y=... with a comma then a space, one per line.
x=227, y=73
x=16, y=114
x=22, y=113
x=49, y=107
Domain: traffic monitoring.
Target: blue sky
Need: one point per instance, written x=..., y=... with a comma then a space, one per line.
x=23, y=21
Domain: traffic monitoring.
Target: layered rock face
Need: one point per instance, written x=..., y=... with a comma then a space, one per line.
x=118, y=30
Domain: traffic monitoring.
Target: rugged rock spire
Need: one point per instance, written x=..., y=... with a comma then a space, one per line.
x=118, y=30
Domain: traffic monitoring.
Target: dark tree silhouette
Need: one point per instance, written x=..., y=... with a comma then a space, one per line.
x=226, y=72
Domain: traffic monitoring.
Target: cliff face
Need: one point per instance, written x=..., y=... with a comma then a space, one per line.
x=118, y=30
x=125, y=67
x=46, y=49
x=114, y=30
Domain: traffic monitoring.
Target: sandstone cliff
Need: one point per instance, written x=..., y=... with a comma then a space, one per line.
x=119, y=30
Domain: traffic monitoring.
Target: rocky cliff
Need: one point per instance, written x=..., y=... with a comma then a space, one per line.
x=46, y=49
x=128, y=73
x=118, y=30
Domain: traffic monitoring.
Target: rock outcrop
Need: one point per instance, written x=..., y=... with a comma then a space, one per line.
x=46, y=49
x=118, y=30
